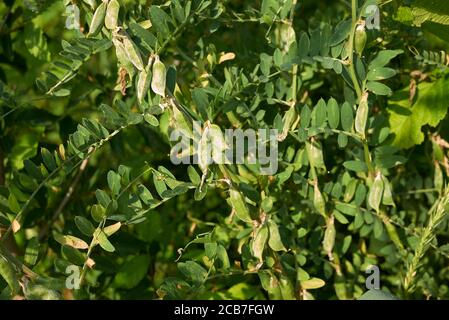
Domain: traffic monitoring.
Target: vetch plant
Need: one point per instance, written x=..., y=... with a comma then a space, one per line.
x=209, y=145
x=205, y=149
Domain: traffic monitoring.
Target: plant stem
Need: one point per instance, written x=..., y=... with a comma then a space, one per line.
x=367, y=156
x=177, y=32
x=355, y=81
x=95, y=147
x=295, y=66
x=2, y=168
x=92, y=244
x=351, y=66
x=65, y=200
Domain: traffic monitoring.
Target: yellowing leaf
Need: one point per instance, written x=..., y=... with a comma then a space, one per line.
x=71, y=241
x=113, y=228
x=15, y=226
x=226, y=57
x=313, y=283
x=146, y=24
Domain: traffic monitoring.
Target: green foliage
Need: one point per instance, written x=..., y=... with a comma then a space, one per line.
x=86, y=179
x=428, y=107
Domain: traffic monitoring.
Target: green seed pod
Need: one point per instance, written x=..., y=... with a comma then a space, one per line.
x=159, y=77
x=275, y=241
x=143, y=81
x=111, y=20
x=259, y=242
x=393, y=234
x=143, y=84
x=318, y=201
x=329, y=237
x=98, y=19
x=375, y=193
x=180, y=121
x=360, y=39
x=204, y=150
x=387, y=198
x=438, y=179
x=238, y=203
x=132, y=52
x=362, y=115
x=315, y=154
x=122, y=58
x=218, y=143
x=289, y=120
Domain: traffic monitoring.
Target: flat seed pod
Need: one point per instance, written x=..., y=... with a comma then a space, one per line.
x=239, y=205
x=387, y=197
x=132, y=52
x=315, y=153
x=120, y=50
x=259, y=242
x=375, y=193
x=180, y=121
x=360, y=39
x=98, y=20
x=275, y=241
x=144, y=81
x=122, y=58
x=143, y=84
x=289, y=120
x=217, y=140
x=329, y=237
x=159, y=77
x=318, y=201
x=130, y=48
x=204, y=151
x=111, y=19
x=362, y=115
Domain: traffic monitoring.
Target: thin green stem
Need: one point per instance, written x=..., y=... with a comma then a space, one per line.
x=95, y=147
x=92, y=244
x=367, y=155
x=351, y=65
x=177, y=32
